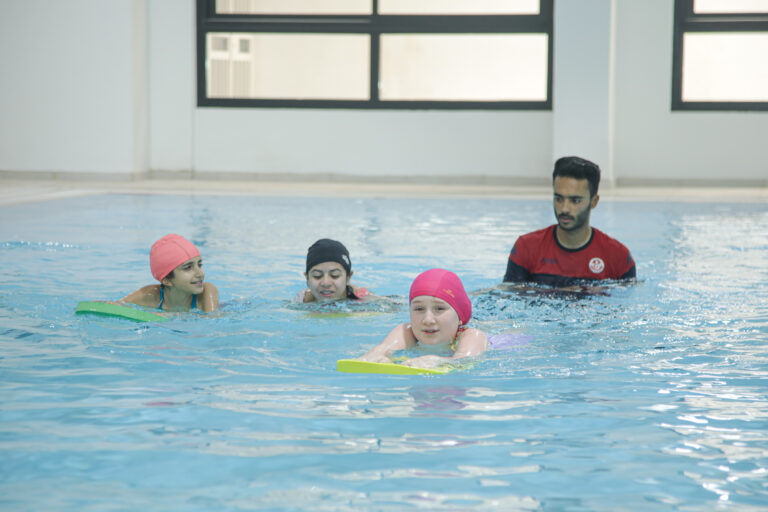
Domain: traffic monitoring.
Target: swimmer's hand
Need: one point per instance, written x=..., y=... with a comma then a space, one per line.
x=375, y=358
x=428, y=361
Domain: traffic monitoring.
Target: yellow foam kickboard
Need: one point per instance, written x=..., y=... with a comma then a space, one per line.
x=355, y=366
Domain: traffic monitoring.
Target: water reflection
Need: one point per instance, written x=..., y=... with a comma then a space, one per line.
x=655, y=392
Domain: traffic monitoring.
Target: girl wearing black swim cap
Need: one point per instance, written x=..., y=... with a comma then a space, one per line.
x=328, y=271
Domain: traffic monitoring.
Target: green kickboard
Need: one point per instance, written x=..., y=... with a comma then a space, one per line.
x=355, y=366
x=115, y=310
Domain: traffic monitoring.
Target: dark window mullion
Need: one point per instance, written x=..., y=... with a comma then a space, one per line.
x=682, y=10
x=381, y=24
x=460, y=24
x=375, y=54
x=358, y=26
x=719, y=25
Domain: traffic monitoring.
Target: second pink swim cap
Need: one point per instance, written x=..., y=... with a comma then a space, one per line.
x=445, y=285
x=168, y=253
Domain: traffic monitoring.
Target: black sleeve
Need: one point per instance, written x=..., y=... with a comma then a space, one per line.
x=516, y=273
x=631, y=273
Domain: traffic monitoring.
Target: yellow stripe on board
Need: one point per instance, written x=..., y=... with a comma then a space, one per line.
x=355, y=366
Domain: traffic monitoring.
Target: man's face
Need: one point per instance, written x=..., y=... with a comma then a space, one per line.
x=572, y=203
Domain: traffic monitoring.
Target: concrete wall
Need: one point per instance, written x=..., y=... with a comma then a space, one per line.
x=110, y=88
x=73, y=86
x=582, y=97
x=654, y=144
x=173, y=84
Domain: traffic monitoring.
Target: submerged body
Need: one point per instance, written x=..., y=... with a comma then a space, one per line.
x=571, y=251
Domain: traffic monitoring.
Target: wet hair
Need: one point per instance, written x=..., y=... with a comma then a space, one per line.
x=169, y=276
x=580, y=169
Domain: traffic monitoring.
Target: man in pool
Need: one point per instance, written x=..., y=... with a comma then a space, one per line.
x=571, y=251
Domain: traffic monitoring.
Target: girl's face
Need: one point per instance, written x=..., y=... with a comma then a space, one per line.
x=433, y=320
x=188, y=277
x=328, y=281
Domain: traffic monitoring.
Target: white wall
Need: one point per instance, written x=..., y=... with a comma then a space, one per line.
x=73, y=86
x=654, y=144
x=110, y=88
x=383, y=143
x=581, y=90
x=172, y=84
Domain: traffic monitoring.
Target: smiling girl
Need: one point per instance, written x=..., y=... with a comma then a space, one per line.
x=176, y=263
x=328, y=272
x=439, y=310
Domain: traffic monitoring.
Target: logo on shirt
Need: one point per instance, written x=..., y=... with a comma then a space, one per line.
x=596, y=265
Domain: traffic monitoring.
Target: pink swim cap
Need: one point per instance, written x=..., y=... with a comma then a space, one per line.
x=168, y=253
x=445, y=285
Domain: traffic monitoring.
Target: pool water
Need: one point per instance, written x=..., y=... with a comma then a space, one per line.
x=645, y=397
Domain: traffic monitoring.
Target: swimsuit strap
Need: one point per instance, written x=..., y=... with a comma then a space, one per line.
x=160, y=306
x=459, y=331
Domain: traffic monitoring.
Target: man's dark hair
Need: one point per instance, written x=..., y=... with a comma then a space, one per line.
x=580, y=169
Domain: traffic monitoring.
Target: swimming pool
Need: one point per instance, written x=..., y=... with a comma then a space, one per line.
x=651, y=397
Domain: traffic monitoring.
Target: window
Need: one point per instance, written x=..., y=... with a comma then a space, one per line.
x=720, y=55
x=440, y=54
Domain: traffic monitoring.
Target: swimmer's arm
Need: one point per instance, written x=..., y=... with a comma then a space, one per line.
x=472, y=342
x=208, y=300
x=361, y=293
x=304, y=296
x=399, y=338
x=147, y=296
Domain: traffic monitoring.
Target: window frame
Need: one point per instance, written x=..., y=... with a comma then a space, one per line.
x=688, y=21
x=374, y=25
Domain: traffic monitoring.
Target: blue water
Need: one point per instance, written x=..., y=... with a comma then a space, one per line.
x=649, y=397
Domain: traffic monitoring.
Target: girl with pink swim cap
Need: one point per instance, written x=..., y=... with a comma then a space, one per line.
x=176, y=263
x=440, y=310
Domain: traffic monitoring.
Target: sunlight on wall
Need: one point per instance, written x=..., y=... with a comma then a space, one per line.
x=294, y=7
x=721, y=66
x=472, y=67
x=430, y=67
x=288, y=66
x=385, y=7
x=459, y=6
x=729, y=6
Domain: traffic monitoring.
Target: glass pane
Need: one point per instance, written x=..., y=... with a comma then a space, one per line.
x=458, y=6
x=464, y=67
x=725, y=66
x=729, y=6
x=294, y=7
x=289, y=66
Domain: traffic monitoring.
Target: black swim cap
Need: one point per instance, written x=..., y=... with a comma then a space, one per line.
x=326, y=249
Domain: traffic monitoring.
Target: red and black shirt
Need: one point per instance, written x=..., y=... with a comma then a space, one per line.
x=539, y=257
